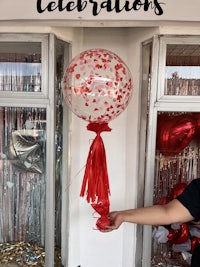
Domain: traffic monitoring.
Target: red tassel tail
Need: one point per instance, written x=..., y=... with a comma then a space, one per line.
x=96, y=182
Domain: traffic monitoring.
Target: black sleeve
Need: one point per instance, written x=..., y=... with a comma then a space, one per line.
x=190, y=198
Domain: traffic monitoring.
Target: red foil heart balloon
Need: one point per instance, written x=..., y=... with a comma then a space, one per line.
x=196, y=116
x=177, y=190
x=163, y=201
x=174, y=132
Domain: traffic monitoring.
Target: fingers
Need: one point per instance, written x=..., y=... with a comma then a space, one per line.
x=115, y=222
x=108, y=229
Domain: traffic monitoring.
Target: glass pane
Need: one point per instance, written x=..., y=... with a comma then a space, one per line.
x=60, y=46
x=177, y=162
x=20, y=66
x=182, y=70
x=23, y=185
x=62, y=49
x=61, y=200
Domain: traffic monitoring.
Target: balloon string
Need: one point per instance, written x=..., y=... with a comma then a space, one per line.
x=75, y=176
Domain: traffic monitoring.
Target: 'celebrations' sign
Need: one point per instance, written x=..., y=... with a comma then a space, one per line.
x=96, y=7
x=100, y=10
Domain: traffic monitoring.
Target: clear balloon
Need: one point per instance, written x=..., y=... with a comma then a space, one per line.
x=97, y=85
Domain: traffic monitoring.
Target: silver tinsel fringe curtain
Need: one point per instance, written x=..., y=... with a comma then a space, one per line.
x=22, y=174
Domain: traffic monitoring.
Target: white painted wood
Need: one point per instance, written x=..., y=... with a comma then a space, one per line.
x=150, y=151
x=51, y=159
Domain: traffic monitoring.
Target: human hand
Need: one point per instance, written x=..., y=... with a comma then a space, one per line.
x=116, y=218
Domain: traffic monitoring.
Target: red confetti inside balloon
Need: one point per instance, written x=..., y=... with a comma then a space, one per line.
x=97, y=85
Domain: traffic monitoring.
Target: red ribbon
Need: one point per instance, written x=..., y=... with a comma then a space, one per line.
x=179, y=236
x=103, y=209
x=95, y=182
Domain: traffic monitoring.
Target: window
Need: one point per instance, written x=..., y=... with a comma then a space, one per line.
x=170, y=129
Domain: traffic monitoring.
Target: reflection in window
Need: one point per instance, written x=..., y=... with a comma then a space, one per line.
x=182, y=70
x=177, y=163
x=20, y=71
